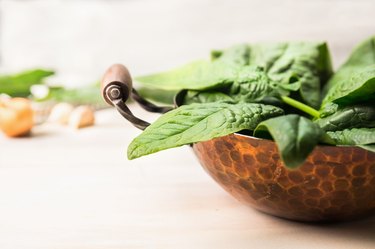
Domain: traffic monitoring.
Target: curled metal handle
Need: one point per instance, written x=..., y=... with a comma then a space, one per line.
x=117, y=87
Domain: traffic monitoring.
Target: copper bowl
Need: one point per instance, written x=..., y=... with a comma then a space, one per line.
x=334, y=184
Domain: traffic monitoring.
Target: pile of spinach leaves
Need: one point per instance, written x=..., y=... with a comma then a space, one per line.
x=284, y=90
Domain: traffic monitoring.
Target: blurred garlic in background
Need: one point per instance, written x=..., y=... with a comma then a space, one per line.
x=60, y=113
x=82, y=116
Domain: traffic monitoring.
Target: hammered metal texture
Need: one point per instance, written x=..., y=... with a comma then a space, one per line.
x=335, y=183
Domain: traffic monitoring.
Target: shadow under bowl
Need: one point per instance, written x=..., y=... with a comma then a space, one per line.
x=334, y=184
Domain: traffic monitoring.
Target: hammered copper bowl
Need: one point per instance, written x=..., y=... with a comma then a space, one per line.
x=334, y=184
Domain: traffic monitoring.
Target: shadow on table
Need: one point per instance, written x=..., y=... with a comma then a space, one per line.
x=362, y=230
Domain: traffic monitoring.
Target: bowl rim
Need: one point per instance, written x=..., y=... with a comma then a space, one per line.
x=318, y=145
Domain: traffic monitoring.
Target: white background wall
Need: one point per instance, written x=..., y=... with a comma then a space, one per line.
x=80, y=38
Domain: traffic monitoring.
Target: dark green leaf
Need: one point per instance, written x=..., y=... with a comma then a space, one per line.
x=206, y=97
x=354, y=81
x=158, y=95
x=358, y=86
x=253, y=85
x=199, y=75
x=355, y=136
x=305, y=62
x=349, y=117
x=328, y=110
x=294, y=135
x=216, y=54
x=236, y=55
x=18, y=85
x=266, y=54
x=198, y=122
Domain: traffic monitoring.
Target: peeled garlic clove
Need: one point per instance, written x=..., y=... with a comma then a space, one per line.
x=82, y=116
x=60, y=113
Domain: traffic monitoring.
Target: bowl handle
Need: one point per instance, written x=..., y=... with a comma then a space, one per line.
x=117, y=87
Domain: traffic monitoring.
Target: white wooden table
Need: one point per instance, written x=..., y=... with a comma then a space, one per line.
x=76, y=189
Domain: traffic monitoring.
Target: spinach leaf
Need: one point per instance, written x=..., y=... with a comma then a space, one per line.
x=199, y=75
x=206, y=97
x=328, y=110
x=305, y=62
x=355, y=136
x=294, y=135
x=158, y=95
x=212, y=96
x=357, y=116
x=235, y=55
x=198, y=122
x=358, y=86
x=266, y=54
x=355, y=80
x=253, y=85
x=18, y=85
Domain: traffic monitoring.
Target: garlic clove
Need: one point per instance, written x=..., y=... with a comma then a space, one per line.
x=60, y=113
x=82, y=116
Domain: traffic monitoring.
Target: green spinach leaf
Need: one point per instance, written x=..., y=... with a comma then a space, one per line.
x=253, y=85
x=199, y=75
x=355, y=136
x=198, y=122
x=328, y=110
x=305, y=62
x=18, y=85
x=294, y=135
x=237, y=55
x=355, y=80
x=358, y=86
x=357, y=116
x=206, y=97
x=158, y=95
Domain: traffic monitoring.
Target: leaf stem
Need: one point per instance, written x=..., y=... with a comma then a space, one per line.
x=300, y=106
